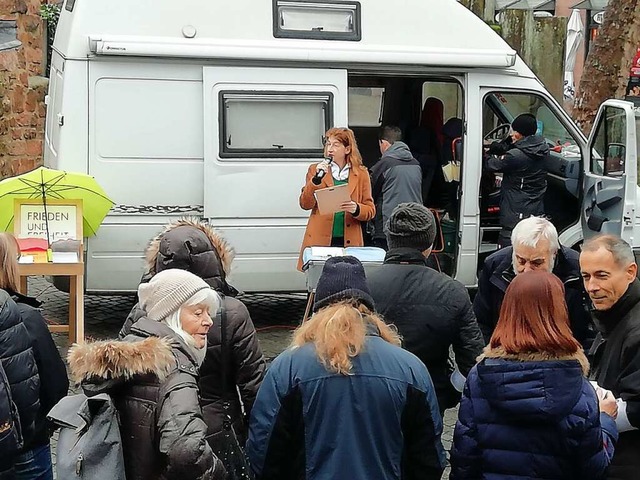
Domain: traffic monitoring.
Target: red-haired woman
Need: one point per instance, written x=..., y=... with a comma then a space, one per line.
x=527, y=409
x=341, y=229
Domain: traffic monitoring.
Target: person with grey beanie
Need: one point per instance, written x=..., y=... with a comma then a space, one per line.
x=329, y=402
x=152, y=377
x=431, y=311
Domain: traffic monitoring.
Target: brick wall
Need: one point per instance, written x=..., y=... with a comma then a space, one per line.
x=22, y=90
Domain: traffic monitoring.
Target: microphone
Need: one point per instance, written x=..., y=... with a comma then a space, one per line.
x=317, y=178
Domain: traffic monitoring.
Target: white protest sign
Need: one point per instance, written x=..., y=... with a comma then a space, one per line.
x=60, y=221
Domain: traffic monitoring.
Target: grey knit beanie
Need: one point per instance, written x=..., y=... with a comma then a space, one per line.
x=167, y=291
x=411, y=225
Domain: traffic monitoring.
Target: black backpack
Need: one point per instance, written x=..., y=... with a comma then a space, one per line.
x=10, y=432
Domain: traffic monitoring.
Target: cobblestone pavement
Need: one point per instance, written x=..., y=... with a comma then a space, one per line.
x=273, y=315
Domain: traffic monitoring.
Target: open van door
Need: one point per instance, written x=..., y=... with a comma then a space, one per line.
x=611, y=174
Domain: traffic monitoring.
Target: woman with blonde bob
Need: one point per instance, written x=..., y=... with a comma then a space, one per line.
x=345, y=401
x=527, y=410
x=341, y=229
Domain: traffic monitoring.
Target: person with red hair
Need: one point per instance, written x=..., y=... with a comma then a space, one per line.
x=341, y=229
x=527, y=409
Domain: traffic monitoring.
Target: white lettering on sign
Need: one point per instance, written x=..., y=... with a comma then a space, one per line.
x=59, y=221
x=598, y=17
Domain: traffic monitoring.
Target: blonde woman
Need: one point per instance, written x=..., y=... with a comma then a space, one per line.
x=345, y=401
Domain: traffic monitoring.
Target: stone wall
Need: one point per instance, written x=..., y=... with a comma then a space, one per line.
x=22, y=90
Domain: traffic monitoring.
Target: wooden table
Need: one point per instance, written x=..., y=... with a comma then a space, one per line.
x=75, y=271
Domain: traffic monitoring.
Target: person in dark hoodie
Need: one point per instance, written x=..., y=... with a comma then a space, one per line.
x=196, y=247
x=520, y=158
x=34, y=461
x=528, y=410
x=396, y=178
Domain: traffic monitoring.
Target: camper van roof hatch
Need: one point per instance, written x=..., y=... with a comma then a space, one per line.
x=327, y=20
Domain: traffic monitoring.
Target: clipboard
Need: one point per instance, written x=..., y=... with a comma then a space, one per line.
x=329, y=199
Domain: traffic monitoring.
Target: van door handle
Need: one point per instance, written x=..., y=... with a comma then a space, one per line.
x=60, y=119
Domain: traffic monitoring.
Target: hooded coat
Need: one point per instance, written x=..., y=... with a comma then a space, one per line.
x=190, y=245
x=152, y=378
x=524, y=180
x=529, y=416
x=396, y=178
x=616, y=366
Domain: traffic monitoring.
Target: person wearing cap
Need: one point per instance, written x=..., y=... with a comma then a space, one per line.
x=345, y=401
x=520, y=158
x=431, y=311
x=191, y=245
x=152, y=377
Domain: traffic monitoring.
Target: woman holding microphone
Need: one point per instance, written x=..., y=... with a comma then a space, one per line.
x=341, y=229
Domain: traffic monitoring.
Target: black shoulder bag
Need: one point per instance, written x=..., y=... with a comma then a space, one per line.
x=227, y=447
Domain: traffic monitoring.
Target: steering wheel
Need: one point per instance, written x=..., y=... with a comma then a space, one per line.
x=498, y=133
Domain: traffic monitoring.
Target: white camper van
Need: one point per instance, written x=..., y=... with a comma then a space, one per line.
x=215, y=109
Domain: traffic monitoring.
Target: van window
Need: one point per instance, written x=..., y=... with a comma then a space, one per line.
x=609, y=143
x=365, y=106
x=274, y=124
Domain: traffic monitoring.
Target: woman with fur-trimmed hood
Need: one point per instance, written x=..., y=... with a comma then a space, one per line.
x=152, y=378
x=527, y=409
x=190, y=245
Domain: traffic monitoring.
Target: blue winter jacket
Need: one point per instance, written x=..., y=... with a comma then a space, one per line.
x=380, y=422
x=532, y=417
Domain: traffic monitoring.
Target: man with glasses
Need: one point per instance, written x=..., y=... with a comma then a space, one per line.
x=520, y=158
x=535, y=247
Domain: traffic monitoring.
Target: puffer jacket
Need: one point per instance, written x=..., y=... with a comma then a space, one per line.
x=152, y=378
x=531, y=416
x=52, y=371
x=524, y=182
x=19, y=363
x=196, y=247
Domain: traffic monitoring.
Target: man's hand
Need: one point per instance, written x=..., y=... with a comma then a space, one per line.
x=607, y=402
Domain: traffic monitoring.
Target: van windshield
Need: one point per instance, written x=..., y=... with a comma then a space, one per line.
x=508, y=106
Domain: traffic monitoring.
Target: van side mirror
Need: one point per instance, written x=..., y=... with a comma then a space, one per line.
x=614, y=160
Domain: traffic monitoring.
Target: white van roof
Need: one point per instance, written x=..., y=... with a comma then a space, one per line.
x=420, y=32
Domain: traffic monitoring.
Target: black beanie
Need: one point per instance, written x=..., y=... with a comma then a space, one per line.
x=411, y=225
x=342, y=278
x=525, y=124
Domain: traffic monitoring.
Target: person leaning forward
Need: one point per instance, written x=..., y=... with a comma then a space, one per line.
x=535, y=247
x=609, y=273
x=431, y=310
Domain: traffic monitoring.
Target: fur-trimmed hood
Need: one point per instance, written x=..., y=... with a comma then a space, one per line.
x=191, y=245
x=537, y=386
x=112, y=360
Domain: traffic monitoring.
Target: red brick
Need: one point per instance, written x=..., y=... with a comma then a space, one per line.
x=17, y=99
x=34, y=147
x=18, y=147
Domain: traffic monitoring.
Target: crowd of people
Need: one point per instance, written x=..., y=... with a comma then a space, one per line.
x=544, y=363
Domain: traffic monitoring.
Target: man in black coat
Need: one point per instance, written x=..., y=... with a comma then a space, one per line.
x=609, y=273
x=535, y=247
x=431, y=310
x=520, y=158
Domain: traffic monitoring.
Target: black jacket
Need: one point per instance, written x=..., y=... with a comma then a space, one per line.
x=196, y=247
x=18, y=360
x=496, y=275
x=615, y=365
x=396, y=178
x=524, y=180
x=52, y=371
x=432, y=313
